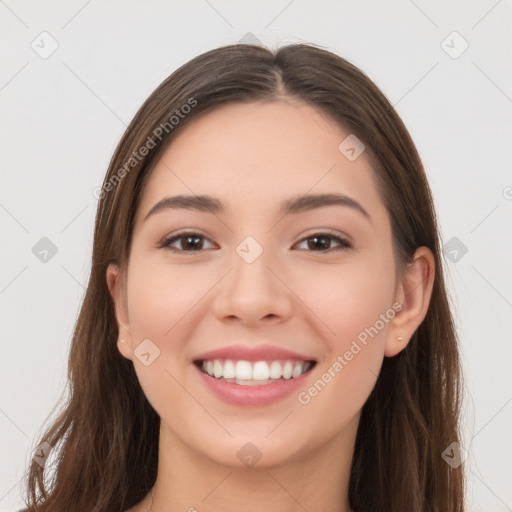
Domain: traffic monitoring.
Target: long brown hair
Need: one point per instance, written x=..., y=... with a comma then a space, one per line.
x=105, y=440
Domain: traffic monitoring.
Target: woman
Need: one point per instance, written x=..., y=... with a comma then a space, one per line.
x=266, y=324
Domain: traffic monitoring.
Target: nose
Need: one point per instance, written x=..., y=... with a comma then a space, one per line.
x=252, y=293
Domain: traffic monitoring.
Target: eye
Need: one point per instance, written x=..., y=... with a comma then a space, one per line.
x=188, y=242
x=320, y=242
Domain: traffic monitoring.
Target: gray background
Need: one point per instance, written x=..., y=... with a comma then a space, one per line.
x=62, y=115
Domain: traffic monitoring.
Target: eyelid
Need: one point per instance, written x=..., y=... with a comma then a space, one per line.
x=329, y=232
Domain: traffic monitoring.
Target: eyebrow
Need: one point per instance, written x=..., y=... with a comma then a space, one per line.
x=294, y=205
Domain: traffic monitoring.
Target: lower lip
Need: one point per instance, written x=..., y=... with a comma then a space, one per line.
x=265, y=394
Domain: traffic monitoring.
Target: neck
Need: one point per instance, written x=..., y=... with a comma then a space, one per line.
x=317, y=480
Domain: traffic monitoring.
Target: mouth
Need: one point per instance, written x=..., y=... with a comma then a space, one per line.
x=254, y=373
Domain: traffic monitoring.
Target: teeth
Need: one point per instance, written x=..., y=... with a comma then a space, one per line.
x=229, y=370
x=297, y=370
x=243, y=370
x=276, y=370
x=287, y=370
x=260, y=371
x=255, y=372
x=217, y=369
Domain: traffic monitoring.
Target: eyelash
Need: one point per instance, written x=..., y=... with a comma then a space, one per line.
x=344, y=244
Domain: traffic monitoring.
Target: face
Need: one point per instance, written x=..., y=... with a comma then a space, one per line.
x=248, y=291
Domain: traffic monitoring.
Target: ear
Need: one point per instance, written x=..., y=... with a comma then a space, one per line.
x=116, y=282
x=413, y=293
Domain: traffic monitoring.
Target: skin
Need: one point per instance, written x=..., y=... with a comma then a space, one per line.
x=294, y=295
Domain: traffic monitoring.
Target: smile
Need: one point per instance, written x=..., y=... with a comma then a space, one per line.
x=254, y=373
x=245, y=383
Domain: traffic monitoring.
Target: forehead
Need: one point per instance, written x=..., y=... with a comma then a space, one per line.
x=255, y=154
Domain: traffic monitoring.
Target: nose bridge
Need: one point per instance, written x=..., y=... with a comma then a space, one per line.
x=251, y=264
x=251, y=291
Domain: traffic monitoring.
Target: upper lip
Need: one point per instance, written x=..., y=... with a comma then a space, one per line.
x=253, y=353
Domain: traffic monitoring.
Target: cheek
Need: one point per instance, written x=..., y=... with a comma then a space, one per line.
x=353, y=308
x=159, y=300
x=161, y=296
x=348, y=299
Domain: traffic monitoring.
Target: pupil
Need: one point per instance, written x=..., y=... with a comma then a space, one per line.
x=315, y=239
x=193, y=244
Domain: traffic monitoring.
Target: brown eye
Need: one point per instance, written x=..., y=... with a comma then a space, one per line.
x=187, y=242
x=322, y=242
x=195, y=242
